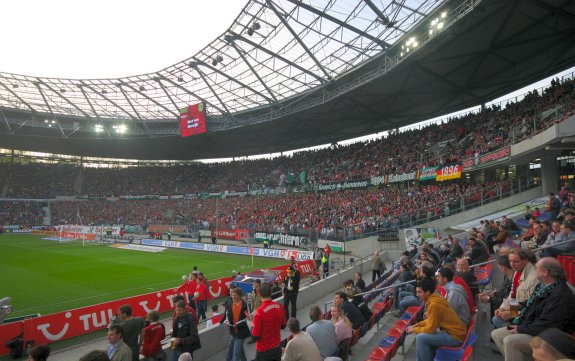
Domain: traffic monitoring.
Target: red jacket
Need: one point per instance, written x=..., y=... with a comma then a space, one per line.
x=153, y=336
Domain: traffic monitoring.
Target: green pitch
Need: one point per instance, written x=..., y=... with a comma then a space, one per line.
x=47, y=276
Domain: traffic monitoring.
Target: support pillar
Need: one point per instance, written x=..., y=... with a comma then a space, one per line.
x=549, y=174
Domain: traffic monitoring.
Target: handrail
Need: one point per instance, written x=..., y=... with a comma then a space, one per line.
x=483, y=263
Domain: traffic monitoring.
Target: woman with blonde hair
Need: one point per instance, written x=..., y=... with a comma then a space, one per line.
x=342, y=324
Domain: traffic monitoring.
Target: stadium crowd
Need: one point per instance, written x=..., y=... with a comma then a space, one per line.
x=434, y=145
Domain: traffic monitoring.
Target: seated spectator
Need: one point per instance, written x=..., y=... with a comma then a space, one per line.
x=455, y=294
x=464, y=271
x=523, y=284
x=302, y=346
x=495, y=298
x=323, y=333
x=407, y=298
x=501, y=238
x=349, y=310
x=567, y=234
x=442, y=326
x=343, y=328
x=477, y=252
x=359, y=282
x=549, y=306
x=553, y=344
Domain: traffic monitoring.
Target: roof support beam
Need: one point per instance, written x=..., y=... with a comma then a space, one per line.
x=200, y=62
x=275, y=55
x=161, y=77
x=6, y=120
x=167, y=94
x=202, y=75
x=63, y=97
x=309, y=8
x=89, y=102
x=17, y=96
x=384, y=19
x=297, y=38
x=89, y=86
x=152, y=100
x=241, y=54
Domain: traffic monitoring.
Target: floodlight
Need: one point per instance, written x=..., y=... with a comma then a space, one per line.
x=181, y=79
x=250, y=31
x=46, y=121
x=214, y=61
x=257, y=26
x=440, y=25
x=53, y=122
x=220, y=58
x=415, y=44
x=443, y=14
x=99, y=128
x=431, y=32
x=142, y=88
x=120, y=129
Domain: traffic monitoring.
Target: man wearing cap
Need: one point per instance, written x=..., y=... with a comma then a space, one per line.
x=291, y=289
x=553, y=344
x=549, y=306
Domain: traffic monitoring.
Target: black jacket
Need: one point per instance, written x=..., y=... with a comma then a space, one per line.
x=353, y=314
x=478, y=253
x=294, y=282
x=241, y=330
x=185, y=328
x=552, y=309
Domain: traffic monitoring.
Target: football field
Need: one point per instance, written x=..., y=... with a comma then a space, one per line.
x=48, y=276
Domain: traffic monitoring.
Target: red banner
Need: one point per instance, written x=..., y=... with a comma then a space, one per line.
x=63, y=325
x=448, y=172
x=193, y=120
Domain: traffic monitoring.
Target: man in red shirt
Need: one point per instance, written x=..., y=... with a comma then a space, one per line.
x=201, y=296
x=269, y=319
x=153, y=336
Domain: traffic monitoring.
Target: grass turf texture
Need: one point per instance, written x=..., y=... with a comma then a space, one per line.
x=47, y=276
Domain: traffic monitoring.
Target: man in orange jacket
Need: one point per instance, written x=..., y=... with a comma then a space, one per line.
x=440, y=316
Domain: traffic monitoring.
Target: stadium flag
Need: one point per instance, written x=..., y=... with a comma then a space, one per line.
x=193, y=120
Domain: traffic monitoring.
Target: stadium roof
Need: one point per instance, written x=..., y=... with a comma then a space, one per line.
x=289, y=74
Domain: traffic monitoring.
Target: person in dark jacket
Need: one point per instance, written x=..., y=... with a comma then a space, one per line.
x=185, y=332
x=550, y=305
x=349, y=310
x=291, y=289
x=477, y=252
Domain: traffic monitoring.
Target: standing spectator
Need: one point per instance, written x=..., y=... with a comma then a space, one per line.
x=154, y=333
x=302, y=346
x=349, y=310
x=549, y=306
x=327, y=250
x=39, y=353
x=185, y=332
x=269, y=319
x=377, y=267
x=291, y=289
x=117, y=349
x=442, y=326
x=255, y=295
x=322, y=332
x=201, y=296
x=325, y=265
x=133, y=330
x=317, y=256
x=236, y=316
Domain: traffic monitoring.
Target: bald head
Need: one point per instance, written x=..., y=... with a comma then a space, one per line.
x=504, y=250
x=549, y=270
x=462, y=265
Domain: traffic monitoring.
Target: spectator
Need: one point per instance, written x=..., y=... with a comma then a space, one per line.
x=133, y=330
x=154, y=333
x=96, y=355
x=377, y=267
x=117, y=349
x=302, y=346
x=455, y=295
x=291, y=290
x=323, y=333
x=236, y=316
x=39, y=353
x=359, y=282
x=185, y=332
x=269, y=319
x=349, y=310
x=523, y=284
x=464, y=271
x=343, y=327
x=553, y=344
x=550, y=305
x=495, y=298
x=442, y=326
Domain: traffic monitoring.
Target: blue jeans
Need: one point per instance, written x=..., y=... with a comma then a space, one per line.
x=400, y=296
x=202, y=308
x=426, y=344
x=498, y=322
x=236, y=350
x=407, y=302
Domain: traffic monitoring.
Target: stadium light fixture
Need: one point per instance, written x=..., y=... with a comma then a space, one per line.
x=444, y=14
x=120, y=129
x=98, y=128
x=142, y=88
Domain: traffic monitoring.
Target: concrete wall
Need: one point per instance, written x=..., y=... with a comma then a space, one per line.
x=485, y=210
x=216, y=339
